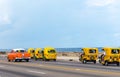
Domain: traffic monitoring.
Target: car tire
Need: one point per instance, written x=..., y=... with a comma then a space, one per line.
x=95, y=62
x=16, y=60
x=54, y=59
x=9, y=60
x=118, y=63
x=20, y=60
x=84, y=61
x=27, y=60
x=106, y=63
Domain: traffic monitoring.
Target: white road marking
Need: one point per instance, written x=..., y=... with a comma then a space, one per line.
x=36, y=72
x=40, y=65
x=77, y=69
x=66, y=63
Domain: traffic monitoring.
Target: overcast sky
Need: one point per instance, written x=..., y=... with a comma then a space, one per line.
x=59, y=23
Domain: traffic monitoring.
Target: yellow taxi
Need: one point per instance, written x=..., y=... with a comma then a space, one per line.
x=110, y=56
x=89, y=55
x=38, y=54
x=49, y=53
x=31, y=51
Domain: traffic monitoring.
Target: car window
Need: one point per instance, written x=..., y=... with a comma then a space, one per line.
x=32, y=51
x=92, y=51
x=115, y=51
x=51, y=51
x=22, y=50
x=40, y=51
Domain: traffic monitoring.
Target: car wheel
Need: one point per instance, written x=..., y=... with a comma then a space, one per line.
x=84, y=61
x=20, y=60
x=16, y=60
x=95, y=62
x=27, y=60
x=118, y=63
x=54, y=59
x=106, y=63
x=9, y=60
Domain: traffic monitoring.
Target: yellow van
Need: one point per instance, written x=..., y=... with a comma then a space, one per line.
x=89, y=55
x=110, y=56
x=38, y=54
x=49, y=53
x=31, y=51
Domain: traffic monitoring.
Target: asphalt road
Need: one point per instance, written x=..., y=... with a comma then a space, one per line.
x=56, y=69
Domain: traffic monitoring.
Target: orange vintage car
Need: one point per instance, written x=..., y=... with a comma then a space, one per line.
x=18, y=55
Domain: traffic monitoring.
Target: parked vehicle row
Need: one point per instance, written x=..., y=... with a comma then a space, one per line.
x=21, y=54
x=46, y=54
x=109, y=56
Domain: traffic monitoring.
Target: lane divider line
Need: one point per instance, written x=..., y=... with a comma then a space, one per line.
x=77, y=69
x=36, y=72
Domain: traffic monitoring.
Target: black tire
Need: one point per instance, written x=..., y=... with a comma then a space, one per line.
x=47, y=60
x=118, y=63
x=20, y=60
x=99, y=61
x=54, y=59
x=27, y=60
x=106, y=63
x=16, y=60
x=103, y=64
x=9, y=60
x=84, y=61
x=32, y=58
x=95, y=62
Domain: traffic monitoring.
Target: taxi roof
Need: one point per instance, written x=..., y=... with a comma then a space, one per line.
x=18, y=49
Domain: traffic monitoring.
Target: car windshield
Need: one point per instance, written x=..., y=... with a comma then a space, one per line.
x=92, y=51
x=115, y=51
x=40, y=51
x=51, y=51
x=32, y=51
x=20, y=51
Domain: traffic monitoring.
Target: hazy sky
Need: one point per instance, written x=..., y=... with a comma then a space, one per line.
x=59, y=23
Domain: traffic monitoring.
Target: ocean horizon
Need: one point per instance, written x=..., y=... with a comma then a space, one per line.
x=57, y=49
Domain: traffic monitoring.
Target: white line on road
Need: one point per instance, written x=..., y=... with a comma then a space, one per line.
x=40, y=65
x=77, y=69
x=66, y=63
x=36, y=72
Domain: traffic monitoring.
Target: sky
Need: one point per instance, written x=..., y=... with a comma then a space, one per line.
x=59, y=23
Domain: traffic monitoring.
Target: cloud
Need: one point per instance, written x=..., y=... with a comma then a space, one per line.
x=5, y=12
x=100, y=3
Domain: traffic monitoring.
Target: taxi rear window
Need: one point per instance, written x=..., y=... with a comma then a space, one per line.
x=115, y=51
x=40, y=51
x=20, y=50
x=92, y=51
x=51, y=51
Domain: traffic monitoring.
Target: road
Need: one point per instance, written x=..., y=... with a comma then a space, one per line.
x=56, y=69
